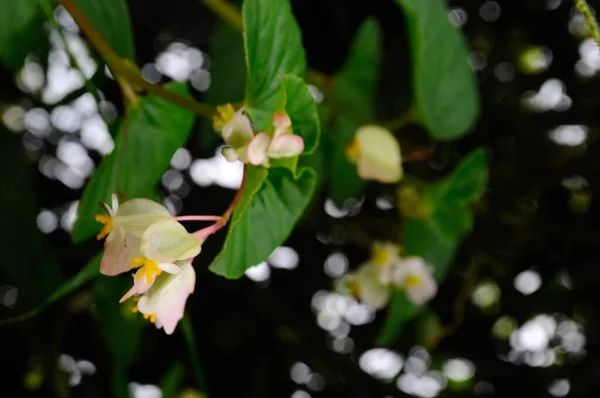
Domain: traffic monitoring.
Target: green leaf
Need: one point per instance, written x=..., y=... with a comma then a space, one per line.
x=171, y=382
x=271, y=203
x=111, y=19
x=21, y=242
x=144, y=146
x=21, y=26
x=400, y=311
x=356, y=82
x=122, y=329
x=228, y=75
x=86, y=274
x=445, y=91
x=344, y=182
x=273, y=44
x=437, y=237
x=469, y=179
x=302, y=110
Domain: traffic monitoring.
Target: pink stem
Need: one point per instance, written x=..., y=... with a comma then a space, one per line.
x=198, y=218
x=223, y=220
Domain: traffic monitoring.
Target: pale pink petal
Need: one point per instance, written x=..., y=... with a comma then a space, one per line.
x=281, y=120
x=169, y=268
x=286, y=146
x=257, y=149
x=171, y=313
x=126, y=296
x=117, y=254
x=115, y=205
x=140, y=284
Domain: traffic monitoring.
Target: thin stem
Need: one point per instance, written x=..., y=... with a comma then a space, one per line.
x=189, y=336
x=72, y=59
x=419, y=154
x=122, y=70
x=590, y=21
x=224, y=219
x=400, y=121
x=198, y=218
x=227, y=11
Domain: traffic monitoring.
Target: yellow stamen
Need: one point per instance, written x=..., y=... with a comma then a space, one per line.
x=412, y=281
x=381, y=255
x=135, y=309
x=146, y=316
x=353, y=150
x=152, y=318
x=223, y=116
x=149, y=268
x=354, y=287
x=136, y=299
x=107, y=221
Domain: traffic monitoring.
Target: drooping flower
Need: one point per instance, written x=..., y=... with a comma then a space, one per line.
x=414, y=276
x=164, y=303
x=282, y=144
x=365, y=285
x=376, y=154
x=257, y=149
x=236, y=130
x=163, y=244
x=384, y=255
x=123, y=228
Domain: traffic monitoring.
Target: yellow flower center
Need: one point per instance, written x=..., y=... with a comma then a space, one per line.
x=149, y=268
x=412, y=281
x=107, y=222
x=354, y=287
x=380, y=256
x=353, y=150
x=223, y=115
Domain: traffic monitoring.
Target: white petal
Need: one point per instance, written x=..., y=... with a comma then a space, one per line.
x=169, y=268
x=286, y=146
x=257, y=149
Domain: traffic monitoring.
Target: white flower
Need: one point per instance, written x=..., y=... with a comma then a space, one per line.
x=164, y=302
x=376, y=153
x=385, y=255
x=257, y=149
x=124, y=226
x=414, y=276
x=365, y=284
x=162, y=244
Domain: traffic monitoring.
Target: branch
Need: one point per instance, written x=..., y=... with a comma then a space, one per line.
x=123, y=72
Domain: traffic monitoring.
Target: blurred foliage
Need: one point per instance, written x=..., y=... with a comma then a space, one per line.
x=495, y=196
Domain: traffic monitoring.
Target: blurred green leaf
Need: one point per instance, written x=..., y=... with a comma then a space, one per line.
x=228, y=75
x=272, y=202
x=302, y=110
x=171, y=382
x=86, y=274
x=111, y=19
x=21, y=26
x=273, y=44
x=437, y=237
x=22, y=249
x=344, y=182
x=144, y=146
x=122, y=329
x=445, y=91
x=355, y=84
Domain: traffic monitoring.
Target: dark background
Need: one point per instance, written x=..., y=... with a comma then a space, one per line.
x=250, y=334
